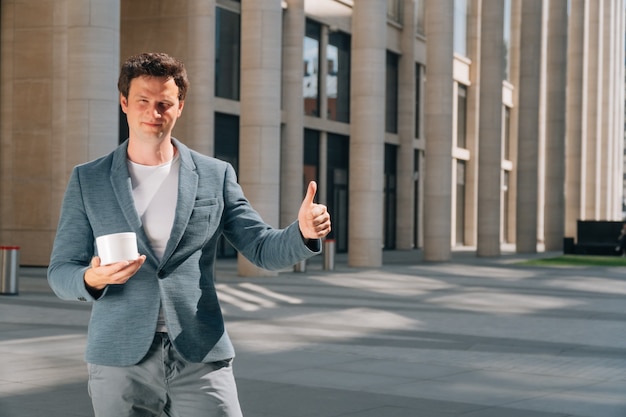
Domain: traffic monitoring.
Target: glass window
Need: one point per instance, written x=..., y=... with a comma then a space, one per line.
x=311, y=68
x=419, y=17
x=418, y=91
x=506, y=133
x=390, y=196
x=461, y=117
x=227, y=139
x=338, y=78
x=416, y=197
x=227, y=53
x=505, y=206
x=391, y=94
x=460, y=27
x=460, y=202
x=226, y=142
x=337, y=188
x=507, y=39
x=123, y=126
x=311, y=156
x=394, y=10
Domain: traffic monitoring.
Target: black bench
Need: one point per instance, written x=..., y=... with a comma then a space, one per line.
x=594, y=237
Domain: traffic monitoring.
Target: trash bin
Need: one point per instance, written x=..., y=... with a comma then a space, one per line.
x=9, y=268
x=329, y=254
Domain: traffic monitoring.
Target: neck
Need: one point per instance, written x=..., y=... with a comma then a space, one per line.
x=151, y=154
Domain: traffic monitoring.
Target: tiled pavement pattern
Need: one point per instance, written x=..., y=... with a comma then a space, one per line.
x=473, y=337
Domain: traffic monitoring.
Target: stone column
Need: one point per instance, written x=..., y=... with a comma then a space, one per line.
x=528, y=126
x=606, y=86
x=576, y=114
x=200, y=64
x=34, y=161
x=292, y=147
x=92, y=64
x=406, y=131
x=613, y=150
x=554, y=224
x=7, y=143
x=541, y=186
x=619, y=112
x=93, y=60
x=59, y=150
x=259, y=142
x=367, y=109
x=594, y=112
x=438, y=115
x=490, y=129
x=473, y=124
x=48, y=124
x=516, y=20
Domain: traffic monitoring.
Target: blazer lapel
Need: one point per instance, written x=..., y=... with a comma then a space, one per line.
x=122, y=187
x=187, y=189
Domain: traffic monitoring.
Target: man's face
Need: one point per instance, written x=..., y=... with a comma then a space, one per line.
x=152, y=108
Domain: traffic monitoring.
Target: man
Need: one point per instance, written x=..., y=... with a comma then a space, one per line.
x=156, y=341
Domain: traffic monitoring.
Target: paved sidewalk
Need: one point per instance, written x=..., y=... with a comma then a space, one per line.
x=472, y=338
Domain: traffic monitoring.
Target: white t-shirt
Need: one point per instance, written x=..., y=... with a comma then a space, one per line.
x=155, y=191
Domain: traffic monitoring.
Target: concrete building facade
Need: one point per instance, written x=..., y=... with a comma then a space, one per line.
x=427, y=124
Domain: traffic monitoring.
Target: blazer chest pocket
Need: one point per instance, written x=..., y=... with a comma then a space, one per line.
x=204, y=221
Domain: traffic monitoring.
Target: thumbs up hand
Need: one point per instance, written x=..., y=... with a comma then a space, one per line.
x=313, y=218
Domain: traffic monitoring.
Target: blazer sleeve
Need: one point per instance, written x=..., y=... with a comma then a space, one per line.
x=261, y=244
x=73, y=246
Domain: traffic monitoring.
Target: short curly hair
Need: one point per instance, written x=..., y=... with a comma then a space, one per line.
x=153, y=64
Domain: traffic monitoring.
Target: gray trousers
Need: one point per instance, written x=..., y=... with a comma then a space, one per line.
x=164, y=384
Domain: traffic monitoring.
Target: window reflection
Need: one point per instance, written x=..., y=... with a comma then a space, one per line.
x=338, y=77
x=507, y=39
x=227, y=51
x=391, y=93
x=461, y=117
x=460, y=202
x=418, y=107
x=460, y=27
x=394, y=10
x=311, y=69
x=311, y=157
x=419, y=17
x=506, y=133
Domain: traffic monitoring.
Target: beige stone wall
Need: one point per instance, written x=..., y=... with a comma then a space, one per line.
x=58, y=109
x=439, y=125
x=32, y=36
x=59, y=62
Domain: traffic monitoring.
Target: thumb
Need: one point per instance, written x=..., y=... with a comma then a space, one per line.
x=310, y=193
x=95, y=262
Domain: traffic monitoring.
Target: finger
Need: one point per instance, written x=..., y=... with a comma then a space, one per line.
x=310, y=193
x=132, y=264
x=316, y=212
x=95, y=262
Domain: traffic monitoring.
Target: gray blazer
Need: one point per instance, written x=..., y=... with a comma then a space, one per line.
x=99, y=201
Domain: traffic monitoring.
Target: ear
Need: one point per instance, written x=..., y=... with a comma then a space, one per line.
x=124, y=103
x=181, y=104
